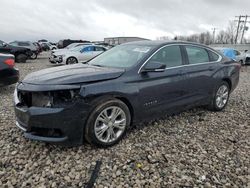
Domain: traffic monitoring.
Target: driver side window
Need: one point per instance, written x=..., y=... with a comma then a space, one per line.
x=169, y=55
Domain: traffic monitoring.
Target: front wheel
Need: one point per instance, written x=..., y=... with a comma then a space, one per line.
x=71, y=60
x=33, y=56
x=107, y=123
x=220, y=98
x=21, y=58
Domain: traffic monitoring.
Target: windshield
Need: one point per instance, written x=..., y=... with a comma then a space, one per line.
x=71, y=46
x=122, y=56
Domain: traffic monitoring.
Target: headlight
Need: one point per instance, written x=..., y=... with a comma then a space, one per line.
x=64, y=96
x=53, y=98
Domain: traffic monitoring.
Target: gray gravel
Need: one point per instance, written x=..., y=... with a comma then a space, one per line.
x=195, y=148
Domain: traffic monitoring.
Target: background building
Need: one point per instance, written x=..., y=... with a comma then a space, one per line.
x=121, y=40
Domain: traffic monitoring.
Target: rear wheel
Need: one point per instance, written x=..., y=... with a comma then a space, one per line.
x=220, y=98
x=107, y=123
x=21, y=58
x=71, y=60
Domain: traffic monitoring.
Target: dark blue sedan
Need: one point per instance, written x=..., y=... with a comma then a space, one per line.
x=128, y=84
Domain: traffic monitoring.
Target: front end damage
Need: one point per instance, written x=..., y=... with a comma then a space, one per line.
x=54, y=114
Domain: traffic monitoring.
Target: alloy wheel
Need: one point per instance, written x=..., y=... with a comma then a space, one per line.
x=71, y=60
x=110, y=124
x=222, y=96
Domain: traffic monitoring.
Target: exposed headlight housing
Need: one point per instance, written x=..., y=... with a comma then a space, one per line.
x=54, y=98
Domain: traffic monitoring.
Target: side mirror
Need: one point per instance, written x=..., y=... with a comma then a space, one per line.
x=154, y=66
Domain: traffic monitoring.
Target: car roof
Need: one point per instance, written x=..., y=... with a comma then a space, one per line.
x=155, y=43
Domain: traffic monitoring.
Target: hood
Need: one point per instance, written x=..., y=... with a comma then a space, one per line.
x=59, y=50
x=72, y=74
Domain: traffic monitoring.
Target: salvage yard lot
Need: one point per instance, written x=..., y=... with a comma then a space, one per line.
x=194, y=148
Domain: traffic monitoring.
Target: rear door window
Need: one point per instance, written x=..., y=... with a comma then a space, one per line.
x=97, y=48
x=197, y=55
x=213, y=56
x=88, y=49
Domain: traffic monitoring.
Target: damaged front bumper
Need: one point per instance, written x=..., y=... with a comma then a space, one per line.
x=60, y=124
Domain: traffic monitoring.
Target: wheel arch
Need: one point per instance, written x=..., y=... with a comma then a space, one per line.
x=228, y=81
x=94, y=102
x=71, y=57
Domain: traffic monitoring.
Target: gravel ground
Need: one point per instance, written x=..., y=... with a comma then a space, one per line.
x=193, y=149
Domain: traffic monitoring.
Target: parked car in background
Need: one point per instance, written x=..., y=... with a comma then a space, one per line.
x=46, y=46
x=233, y=54
x=29, y=45
x=43, y=40
x=247, y=62
x=38, y=46
x=71, y=46
x=21, y=54
x=79, y=54
x=66, y=42
x=8, y=73
x=128, y=84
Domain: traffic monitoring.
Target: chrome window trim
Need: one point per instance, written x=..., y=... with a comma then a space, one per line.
x=219, y=59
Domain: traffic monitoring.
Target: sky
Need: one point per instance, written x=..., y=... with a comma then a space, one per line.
x=95, y=19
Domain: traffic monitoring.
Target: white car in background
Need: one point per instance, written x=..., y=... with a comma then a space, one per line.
x=79, y=54
x=71, y=46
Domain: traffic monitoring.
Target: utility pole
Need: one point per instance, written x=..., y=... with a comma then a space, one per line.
x=238, y=26
x=244, y=28
x=214, y=29
x=239, y=21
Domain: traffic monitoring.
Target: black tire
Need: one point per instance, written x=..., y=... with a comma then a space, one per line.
x=91, y=125
x=21, y=58
x=33, y=56
x=242, y=62
x=214, y=105
x=71, y=60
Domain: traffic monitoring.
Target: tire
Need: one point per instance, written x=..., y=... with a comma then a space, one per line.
x=242, y=62
x=220, y=97
x=71, y=60
x=21, y=58
x=101, y=130
x=33, y=56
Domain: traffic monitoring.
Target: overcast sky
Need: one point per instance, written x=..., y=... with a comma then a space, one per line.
x=96, y=19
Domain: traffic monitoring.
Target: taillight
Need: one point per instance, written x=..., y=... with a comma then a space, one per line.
x=10, y=62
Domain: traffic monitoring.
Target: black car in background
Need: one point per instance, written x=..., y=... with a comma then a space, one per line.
x=66, y=42
x=21, y=54
x=8, y=73
x=128, y=84
x=29, y=45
